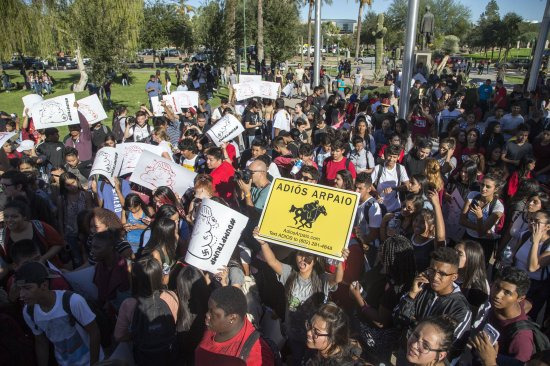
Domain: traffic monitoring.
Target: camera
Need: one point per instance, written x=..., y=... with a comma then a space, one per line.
x=243, y=175
x=131, y=120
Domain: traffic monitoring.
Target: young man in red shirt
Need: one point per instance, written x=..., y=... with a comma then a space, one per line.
x=222, y=173
x=335, y=163
x=231, y=340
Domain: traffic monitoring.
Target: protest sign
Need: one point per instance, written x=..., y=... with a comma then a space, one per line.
x=262, y=89
x=130, y=152
x=249, y=78
x=244, y=90
x=185, y=99
x=308, y=217
x=55, y=112
x=30, y=100
x=82, y=282
x=227, y=128
x=268, y=90
x=92, y=109
x=158, y=109
x=452, y=211
x=153, y=171
x=215, y=234
x=106, y=163
x=5, y=136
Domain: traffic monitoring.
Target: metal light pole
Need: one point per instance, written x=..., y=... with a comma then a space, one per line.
x=408, y=58
x=317, y=60
x=541, y=41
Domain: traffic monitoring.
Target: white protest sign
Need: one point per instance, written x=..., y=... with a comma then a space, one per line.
x=157, y=107
x=185, y=99
x=452, y=211
x=153, y=171
x=5, y=136
x=249, y=78
x=106, y=163
x=244, y=91
x=55, y=112
x=82, y=282
x=30, y=100
x=227, y=128
x=92, y=109
x=262, y=89
x=130, y=152
x=268, y=90
x=171, y=103
x=215, y=234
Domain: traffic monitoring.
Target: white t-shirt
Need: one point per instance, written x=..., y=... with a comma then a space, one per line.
x=166, y=147
x=389, y=178
x=357, y=79
x=447, y=116
x=522, y=260
x=499, y=207
x=71, y=343
x=375, y=216
x=140, y=133
x=281, y=121
x=299, y=74
x=189, y=164
x=509, y=122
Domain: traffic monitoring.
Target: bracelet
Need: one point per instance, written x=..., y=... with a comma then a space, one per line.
x=247, y=195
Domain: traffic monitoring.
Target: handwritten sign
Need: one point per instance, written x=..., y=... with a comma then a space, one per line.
x=131, y=152
x=30, y=100
x=158, y=109
x=215, y=235
x=106, y=163
x=153, y=171
x=261, y=89
x=5, y=136
x=249, y=78
x=227, y=128
x=55, y=112
x=92, y=109
x=452, y=211
x=302, y=215
x=185, y=99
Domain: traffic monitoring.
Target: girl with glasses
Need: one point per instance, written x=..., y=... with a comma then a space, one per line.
x=431, y=341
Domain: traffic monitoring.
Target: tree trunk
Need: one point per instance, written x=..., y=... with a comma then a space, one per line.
x=492, y=52
x=260, y=31
x=499, y=52
x=154, y=62
x=78, y=87
x=358, y=41
x=309, y=30
x=230, y=13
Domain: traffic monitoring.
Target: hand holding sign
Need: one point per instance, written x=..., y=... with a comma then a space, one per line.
x=226, y=129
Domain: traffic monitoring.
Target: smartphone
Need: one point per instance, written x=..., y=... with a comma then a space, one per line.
x=492, y=333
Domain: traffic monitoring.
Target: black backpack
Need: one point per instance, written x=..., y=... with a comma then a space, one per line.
x=117, y=129
x=381, y=170
x=540, y=340
x=367, y=207
x=153, y=332
x=104, y=323
x=251, y=341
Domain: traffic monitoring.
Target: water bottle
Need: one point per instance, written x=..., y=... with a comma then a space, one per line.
x=507, y=255
x=297, y=166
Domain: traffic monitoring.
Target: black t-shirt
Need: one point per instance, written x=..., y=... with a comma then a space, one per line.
x=53, y=151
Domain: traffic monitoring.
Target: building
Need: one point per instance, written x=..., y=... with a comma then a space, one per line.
x=346, y=26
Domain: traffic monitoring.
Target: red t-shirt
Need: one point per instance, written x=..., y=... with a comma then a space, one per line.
x=521, y=345
x=210, y=352
x=222, y=180
x=420, y=126
x=330, y=168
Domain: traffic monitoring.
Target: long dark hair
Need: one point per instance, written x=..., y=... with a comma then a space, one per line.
x=347, y=178
x=63, y=181
x=473, y=274
x=133, y=200
x=471, y=171
x=163, y=235
x=192, y=290
x=317, y=293
x=166, y=196
x=146, y=277
x=397, y=255
x=524, y=165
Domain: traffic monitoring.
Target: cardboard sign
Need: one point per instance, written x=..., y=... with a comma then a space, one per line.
x=268, y=90
x=452, y=211
x=92, y=109
x=261, y=89
x=153, y=171
x=55, y=112
x=249, y=78
x=215, y=235
x=30, y=100
x=106, y=163
x=227, y=128
x=308, y=217
x=158, y=109
x=5, y=136
x=130, y=152
x=184, y=99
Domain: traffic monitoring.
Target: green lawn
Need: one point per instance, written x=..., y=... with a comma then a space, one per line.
x=131, y=96
x=514, y=53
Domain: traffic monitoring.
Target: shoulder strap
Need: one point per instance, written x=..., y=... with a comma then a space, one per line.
x=366, y=209
x=30, y=313
x=248, y=344
x=347, y=163
x=66, y=303
x=39, y=227
x=398, y=167
x=379, y=175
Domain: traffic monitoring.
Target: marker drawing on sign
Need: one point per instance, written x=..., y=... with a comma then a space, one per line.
x=204, y=224
x=159, y=174
x=88, y=112
x=53, y=112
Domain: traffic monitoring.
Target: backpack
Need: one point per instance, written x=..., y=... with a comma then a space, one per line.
x=251, y=341
x=153, y=331
x=540, y=340
x=117, y=129
x=104, y=323
x=381, y=170
x=367, y=207
x=500, y=223
x=146, y=140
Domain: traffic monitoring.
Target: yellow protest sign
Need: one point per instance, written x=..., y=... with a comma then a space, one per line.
x=309, y=217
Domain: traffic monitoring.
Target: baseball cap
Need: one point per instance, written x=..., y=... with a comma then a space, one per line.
x=192, y=110
x=33, y=272
x=386, y=102
x=25, y=145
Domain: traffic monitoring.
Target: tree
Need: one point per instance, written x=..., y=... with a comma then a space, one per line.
x=508, y=32
x=369, y=24
x=230, y=13
x=450, y=44
x=359, y=18
x=309, y=18
x=282, y=23
x=211, y=32
x=260, y=39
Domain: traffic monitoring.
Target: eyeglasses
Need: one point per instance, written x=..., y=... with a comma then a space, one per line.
x=314, y=331
x=536, y=222
x=423, y=347
x=256, y=171
x=431, y=272
x=307, y=178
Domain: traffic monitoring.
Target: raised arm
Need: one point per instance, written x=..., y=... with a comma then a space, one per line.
x=439, y=220
x=269, y=257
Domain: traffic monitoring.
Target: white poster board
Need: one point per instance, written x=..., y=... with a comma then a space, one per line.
x=185, y=99
x=5, y=136
x=215, y=234
x=106, y=163
x=55, y=112
x=261, y=89
x=92, y=109
x=158, y=109
x=30, y=100
x=249, y=78
x=153, y=171
x=130, y=152
x=452, y=211
x=82, y=282
x=268, y=90
x=227, y=128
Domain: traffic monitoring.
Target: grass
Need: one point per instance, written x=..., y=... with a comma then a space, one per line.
x=513, y=53
x=131, y=96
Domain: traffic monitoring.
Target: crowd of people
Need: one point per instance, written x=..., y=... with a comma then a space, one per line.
x=417, y=284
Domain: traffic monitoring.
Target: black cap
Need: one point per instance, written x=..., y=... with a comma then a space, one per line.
x=50, y=131
x=33, y=272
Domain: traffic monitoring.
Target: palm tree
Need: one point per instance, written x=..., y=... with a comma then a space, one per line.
x=359, y=21
x=260, y=36
x=230, y=13
x=310, y=12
